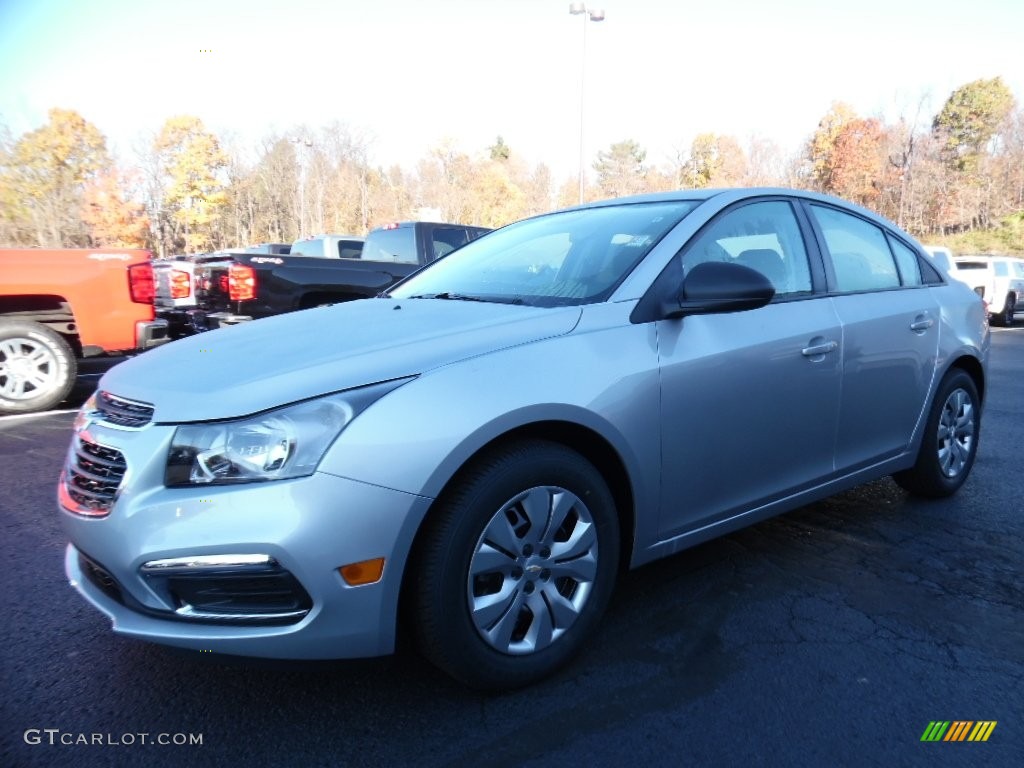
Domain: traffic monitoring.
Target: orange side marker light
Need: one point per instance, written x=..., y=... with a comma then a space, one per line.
x=365, y=572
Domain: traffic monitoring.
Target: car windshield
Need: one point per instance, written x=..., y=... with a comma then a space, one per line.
x=564, y=258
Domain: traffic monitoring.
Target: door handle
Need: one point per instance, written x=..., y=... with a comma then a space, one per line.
x=816, y=350
x=922, y=324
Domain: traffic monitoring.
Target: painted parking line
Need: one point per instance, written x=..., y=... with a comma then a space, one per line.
x=23, y=416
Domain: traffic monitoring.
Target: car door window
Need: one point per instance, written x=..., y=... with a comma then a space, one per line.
x=860, y=254
x=764, y=236
x=906, y=260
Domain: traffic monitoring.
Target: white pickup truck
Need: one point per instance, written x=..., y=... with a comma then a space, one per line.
x=999, y=280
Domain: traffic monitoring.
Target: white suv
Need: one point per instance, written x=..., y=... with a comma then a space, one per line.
x=999, y=280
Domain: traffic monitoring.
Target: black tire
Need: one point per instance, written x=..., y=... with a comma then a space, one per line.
x=37, y=367
x=950, y=442
x=482, y=500
x=1005, y=317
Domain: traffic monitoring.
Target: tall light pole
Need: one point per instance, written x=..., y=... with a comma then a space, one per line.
x=587, y=14
x=304, y=145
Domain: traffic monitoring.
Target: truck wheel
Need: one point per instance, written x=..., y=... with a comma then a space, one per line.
x=950, y=440
x=515, y=567
x=37, y=367
x=1009, y=309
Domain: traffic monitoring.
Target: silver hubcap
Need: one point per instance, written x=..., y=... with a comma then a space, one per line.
x=956, y=432
x=532, y=570
x=27, y=369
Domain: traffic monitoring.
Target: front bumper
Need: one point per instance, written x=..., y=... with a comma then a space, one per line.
x=308, y=527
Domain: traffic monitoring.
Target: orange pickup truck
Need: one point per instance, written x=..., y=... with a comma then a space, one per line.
x=59, y=306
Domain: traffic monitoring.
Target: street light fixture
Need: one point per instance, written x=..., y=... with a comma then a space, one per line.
x=587, y=14
x=307, y=144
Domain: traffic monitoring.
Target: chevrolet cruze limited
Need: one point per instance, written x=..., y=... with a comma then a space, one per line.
x=493, y=441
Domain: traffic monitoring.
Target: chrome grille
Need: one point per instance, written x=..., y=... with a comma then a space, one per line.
x=124, y=413
x=93, y=476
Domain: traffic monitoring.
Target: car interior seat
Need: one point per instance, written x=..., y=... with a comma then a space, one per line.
x=768, y=263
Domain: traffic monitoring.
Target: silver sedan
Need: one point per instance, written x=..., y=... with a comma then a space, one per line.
x=493, y=441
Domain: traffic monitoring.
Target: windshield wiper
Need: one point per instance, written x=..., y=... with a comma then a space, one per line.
x=448, y=296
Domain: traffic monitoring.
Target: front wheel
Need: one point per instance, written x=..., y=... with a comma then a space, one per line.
x=950, y=441
x=37, y=367
x=515, y=566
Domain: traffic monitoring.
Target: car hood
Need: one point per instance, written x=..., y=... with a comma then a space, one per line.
x=278, y=360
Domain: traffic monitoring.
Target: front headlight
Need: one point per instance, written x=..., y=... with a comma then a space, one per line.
x=275, y=445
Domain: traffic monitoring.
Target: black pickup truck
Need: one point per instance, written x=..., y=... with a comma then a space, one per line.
x=237, y=286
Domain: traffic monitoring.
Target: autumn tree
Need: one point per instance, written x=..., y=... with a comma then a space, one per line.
x=536, y=186
x=446, y=179
x=44, y=176
x=499, y=150
x=766, y=164
x=822, y=144
x=717, y=161
x=858, y=163
x=970, y=118
x=191, y=162
x=112, y=220
x=620, y=169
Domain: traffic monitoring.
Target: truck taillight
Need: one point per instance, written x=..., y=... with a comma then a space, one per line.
x=181, y=284
x=241, y=282
x=140, y=283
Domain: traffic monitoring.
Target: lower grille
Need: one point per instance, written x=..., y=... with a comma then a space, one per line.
x=264, y=595
x=268, y=597
x=93, y=476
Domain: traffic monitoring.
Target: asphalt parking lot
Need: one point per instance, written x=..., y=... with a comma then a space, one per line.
x=831, y=636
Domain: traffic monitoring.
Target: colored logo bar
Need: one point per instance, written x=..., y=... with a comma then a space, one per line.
x=959, y=730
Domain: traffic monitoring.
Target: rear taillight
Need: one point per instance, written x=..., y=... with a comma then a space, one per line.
x=140, y=283
x=241, y=282
x=181, y=284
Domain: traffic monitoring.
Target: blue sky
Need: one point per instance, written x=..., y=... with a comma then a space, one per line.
x=409, y=74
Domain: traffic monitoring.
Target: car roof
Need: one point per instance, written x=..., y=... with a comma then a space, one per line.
x=725, y=196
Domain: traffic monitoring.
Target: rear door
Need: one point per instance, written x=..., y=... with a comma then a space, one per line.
x=890, y=335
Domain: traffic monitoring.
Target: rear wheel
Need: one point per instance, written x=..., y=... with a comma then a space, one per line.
x=37, y=367
x=516, y=566
x=950, y=441
x=1009, y=309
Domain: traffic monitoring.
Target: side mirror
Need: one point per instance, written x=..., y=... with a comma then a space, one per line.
x=715, y=287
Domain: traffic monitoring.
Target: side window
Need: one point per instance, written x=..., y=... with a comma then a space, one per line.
x=350, y=249
x=860, y=255
x=312, y=247
x=447, y=239
x=906, y=260
x=764, y=236
x=397, y=244
x=1001, y=269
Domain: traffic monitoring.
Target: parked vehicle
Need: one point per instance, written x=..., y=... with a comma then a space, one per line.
x=491, y=441
x=57, y=306
x=999, y=280
x=234, y=287
x=942, y=256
